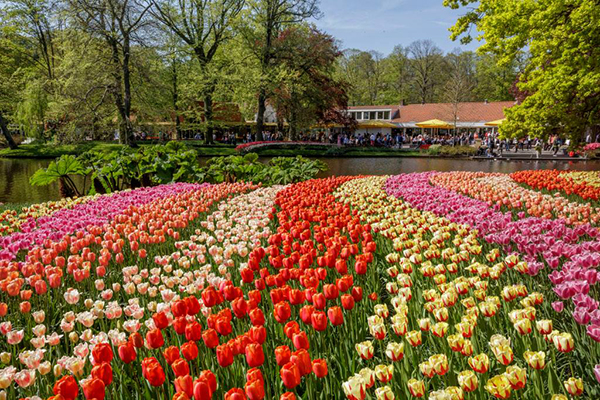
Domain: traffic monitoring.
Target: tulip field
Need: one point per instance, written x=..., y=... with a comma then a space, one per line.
x=435, y=285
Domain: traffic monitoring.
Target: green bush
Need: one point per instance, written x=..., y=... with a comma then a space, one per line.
x=174, y=162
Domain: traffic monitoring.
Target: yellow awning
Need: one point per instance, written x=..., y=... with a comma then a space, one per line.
x=434, y=123
x=497, y=122
x=376, y=124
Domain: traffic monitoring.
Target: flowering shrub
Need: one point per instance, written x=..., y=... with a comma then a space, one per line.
x=250, y=146
x=346, y=287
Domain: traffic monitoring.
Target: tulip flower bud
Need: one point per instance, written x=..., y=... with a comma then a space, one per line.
x=574, y=386
x=89, y=303
x=44, y=368
x=5, y=357
x=57, y=370
x=73, y=337
x=3, y=395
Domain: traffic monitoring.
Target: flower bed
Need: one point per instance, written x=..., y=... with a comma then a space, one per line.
x=251, y=146
x=346, y=287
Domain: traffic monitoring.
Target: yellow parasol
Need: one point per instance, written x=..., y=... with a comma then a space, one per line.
x=497, y=122
x=434, y=123
x=376, y=124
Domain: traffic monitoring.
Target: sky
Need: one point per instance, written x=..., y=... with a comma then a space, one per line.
x=382, y=24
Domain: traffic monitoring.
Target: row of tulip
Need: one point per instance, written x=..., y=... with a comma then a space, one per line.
x=439, y=277
x=25, y=219
x=585, y=185
x=501, y=190
x=96, y=212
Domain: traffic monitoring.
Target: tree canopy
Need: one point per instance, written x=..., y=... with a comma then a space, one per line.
x=559, y=42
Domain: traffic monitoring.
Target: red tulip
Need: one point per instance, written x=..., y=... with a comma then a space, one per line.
x=290, y=375
x=360, y=267
x=202, y=389
x=223, y=326
x=179, y=308
x=210, y=338
x=160, y=320
x=103, y=371
x=357, y=293
x=127, y=353
x=235, y=394
x=180, y=367
x=93, y=388
x=347, y=302
x=306, y=313
x=255, y=355
x=239, y=307
x=192, y=305
x=300, y=341
x=282, y=355
x=282, y=312
x=210, y=297
x=302, y=359
x=189, y=350
x=180, y=396
x=153, y=371
x=209, y=377
x=193, y=331
x=171, y=354
x=296, y=297
x=254, y=374
x=319, y=321
x=66, y=387
x=258, y=334
x=291, y=328
x=179, y=325
x=330, y=291
x=102, y=352
x=319, y=367
x=287, y=396
x=373, y=296
x=136, y=339
x=257, y=317
x=255, y=390
x=319, y=301
x=224, y=355
x=335, y=315
x=154, y=339
x=184, y=384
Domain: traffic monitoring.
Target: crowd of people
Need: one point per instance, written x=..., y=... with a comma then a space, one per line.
x=490, y=144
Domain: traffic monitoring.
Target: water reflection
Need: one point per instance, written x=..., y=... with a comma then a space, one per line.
x=15, y=173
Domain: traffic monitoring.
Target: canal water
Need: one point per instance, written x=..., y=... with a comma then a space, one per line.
x=15, y=173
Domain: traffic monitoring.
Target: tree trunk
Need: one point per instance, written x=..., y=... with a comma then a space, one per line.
x=260, y=115
x=127, y=92
x=208, y=118
x=175, y=99
x=118, y=95
x=9, y=139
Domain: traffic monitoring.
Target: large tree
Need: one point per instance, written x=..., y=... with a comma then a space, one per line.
x=204, y=26
x=119, y=23
x=426, y=64
x=562, y=74
x=308, y=92
x=269, y=19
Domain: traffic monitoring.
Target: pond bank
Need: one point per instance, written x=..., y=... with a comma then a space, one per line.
x=15, y=172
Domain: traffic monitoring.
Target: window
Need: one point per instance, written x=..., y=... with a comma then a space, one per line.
x=366, y=115
x=373, y=115
x=379, y=114
x=358, y=115
x=386, y=115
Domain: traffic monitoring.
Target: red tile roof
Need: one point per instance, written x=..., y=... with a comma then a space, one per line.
x=467, y=112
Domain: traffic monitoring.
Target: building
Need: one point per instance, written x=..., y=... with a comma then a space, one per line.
x=391, y=118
